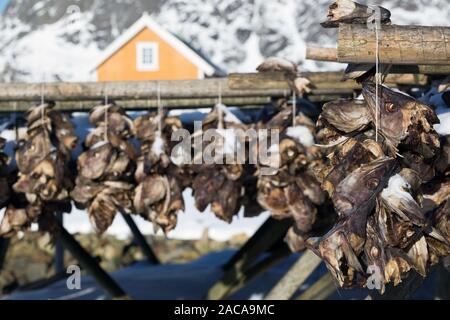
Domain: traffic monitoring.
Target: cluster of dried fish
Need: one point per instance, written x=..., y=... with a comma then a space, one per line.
x=218, y=173
x=158, y=196
x=287, y=186
x=44, y=180
x=105, y=181
x=381, y=160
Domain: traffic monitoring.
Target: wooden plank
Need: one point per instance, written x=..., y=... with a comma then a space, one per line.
x=132, y=90
x=295, y=277
x=320, y=290
x=321, y=54
x=259, y=268
x=398, y=44
x=21, y=106
x=324, y=82
x=270, y=233
x=395, y=69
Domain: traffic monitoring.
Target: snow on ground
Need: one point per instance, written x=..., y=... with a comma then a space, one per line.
x=191, y=281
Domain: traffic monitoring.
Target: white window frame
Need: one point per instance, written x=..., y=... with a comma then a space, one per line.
x=140, y=65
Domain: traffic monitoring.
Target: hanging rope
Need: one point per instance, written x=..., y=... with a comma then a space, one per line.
x=220, y=115
x=160, y=111
x=43, y=113
x=294, y=107
x=106, y=116
x=377, y=72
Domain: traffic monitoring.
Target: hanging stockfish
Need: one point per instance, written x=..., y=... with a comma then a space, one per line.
x=104, y=184
x=45, y=178
x=158, y=197
x=389, y=221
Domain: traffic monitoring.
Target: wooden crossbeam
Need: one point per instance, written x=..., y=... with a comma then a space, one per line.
x=21, y=106
x=295, y=277
x=330, y=55
x=397, y=44
x=325, y=83
x=130, y=90
x=321, y=289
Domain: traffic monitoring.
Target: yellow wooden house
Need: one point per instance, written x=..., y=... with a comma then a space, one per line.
x=146, y=51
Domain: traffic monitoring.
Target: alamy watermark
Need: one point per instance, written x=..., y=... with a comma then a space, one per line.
x=73, y=282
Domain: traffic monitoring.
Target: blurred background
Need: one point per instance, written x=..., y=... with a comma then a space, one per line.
x=51, y=40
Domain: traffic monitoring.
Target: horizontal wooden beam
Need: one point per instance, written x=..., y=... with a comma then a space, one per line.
x=134, y=90
x=397, y=44
x=321, y=54
x=330, y=55
x=21, y=106
x=324, y=82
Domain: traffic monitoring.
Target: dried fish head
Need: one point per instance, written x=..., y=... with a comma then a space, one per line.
x=93, y=163
x=397, y=114
x=30, y=152
x=45, y=181
x=347, y=115
x=358, y=191
x=226, y=203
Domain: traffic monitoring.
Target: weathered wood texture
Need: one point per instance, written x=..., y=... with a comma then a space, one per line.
x=235, y=270
x=326, y=54
x=398, y=44
x=295, y=277
x=321, y=54
x=324, y=82
x=320, y=290
x=134, y=90
x=20, y=106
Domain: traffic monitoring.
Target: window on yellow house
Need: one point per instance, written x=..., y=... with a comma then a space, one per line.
x=147, y=56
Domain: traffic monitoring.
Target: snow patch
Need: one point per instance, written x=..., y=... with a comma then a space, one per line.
x=397, y=189
x=302, y=135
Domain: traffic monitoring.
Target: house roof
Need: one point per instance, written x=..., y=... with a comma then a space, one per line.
x=147, y=22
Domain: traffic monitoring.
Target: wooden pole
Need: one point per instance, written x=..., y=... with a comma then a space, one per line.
x=320, y=290
x=321, y=54
x=131, y=90
x=59, y=249
x=259, y=268
x=398, y=44
x=325, y=83
x=140, y=239
x=295, y=277
x=266, y=236
x=91, y=265
x=21, y=106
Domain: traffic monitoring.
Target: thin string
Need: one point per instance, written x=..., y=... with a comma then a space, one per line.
x=106, y=116
x=220, y=115
x=16, y=133
x=294, y=107
x=160, y=110
x=43, y=114
x=377, y=82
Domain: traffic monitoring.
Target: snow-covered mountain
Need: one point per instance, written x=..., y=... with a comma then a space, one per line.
x=50, y=40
